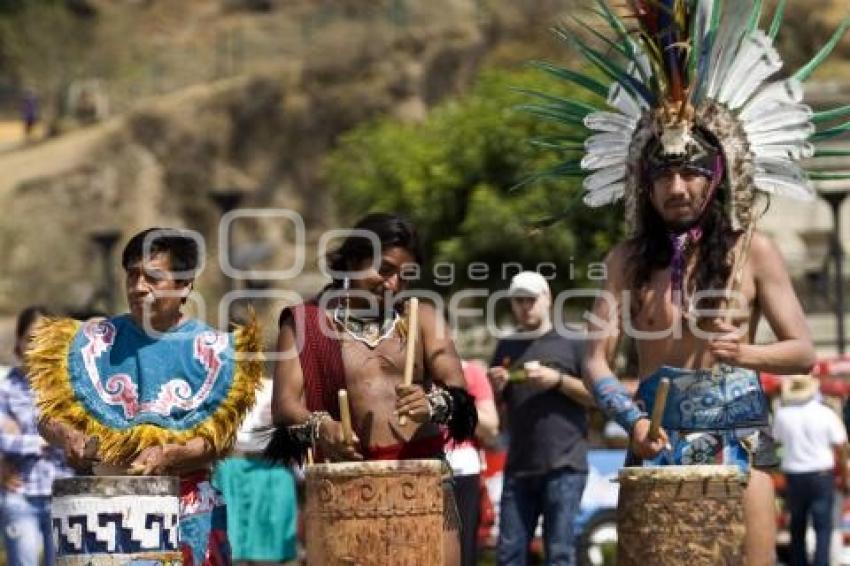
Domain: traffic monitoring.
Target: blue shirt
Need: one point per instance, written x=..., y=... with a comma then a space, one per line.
x=24, y=450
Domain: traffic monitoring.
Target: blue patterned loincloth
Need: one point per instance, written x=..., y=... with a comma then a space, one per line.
x=712, y=418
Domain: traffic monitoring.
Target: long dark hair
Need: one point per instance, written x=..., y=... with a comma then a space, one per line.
x=392, y=230
x=651, y=249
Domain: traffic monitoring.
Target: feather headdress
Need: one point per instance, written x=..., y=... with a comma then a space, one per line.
x=691, y=69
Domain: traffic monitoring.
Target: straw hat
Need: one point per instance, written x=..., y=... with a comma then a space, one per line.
x=799, y=388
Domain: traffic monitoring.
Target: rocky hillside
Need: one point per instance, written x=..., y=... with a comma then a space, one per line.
x=262, y=132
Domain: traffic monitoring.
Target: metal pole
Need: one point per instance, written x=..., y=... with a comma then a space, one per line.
x=105, y=241
x=227, y=200
x=835, y=199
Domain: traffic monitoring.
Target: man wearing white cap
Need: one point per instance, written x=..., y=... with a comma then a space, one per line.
x=810, y=433
x=536, y=374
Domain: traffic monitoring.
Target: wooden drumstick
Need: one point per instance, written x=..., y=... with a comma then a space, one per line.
x=412, y=331
x=345, y=416
x=658, y=408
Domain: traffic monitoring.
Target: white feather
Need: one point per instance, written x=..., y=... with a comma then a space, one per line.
x=605, y=195
x=604, y=177
x=620, y=99
x=600, y=160
x=784, y=117
x=607, y=141
x=610, y=122
x=733, y=25
x=791, y=135
x=785, y=186
x=755, y=62
x=766, y=112
x=704, y=10
x=781, y=167
x=784, y=151
x=778, y=93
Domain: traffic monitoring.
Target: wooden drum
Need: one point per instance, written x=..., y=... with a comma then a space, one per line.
x=675, y=515
x=116, y=520
x=374, y=513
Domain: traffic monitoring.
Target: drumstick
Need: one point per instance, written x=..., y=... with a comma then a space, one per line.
x=658, y=408
x=345, y=416
x=412, y=328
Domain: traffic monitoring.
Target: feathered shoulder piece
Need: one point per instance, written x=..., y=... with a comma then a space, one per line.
x=113, y=380
x=689, y=78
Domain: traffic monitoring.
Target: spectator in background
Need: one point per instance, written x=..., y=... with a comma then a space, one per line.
x=29, y=113
x=537, y=375
x=29, y=464
x=465, y=459
x=811, y=434
x=260, y=494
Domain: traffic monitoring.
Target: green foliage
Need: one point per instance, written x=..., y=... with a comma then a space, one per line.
x=455, y=176
x=43, y=44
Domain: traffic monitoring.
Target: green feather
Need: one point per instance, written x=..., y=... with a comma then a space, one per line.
x=553, y=114
x=568, y=75
x=717, y=7
x=618, y=47
x=566, y=169
x=696, y=46
x=559, y=143
x=823, y=152
x=777, y=19
x=614, y=71
x=755, y=15
x=620, y=28
x=832, y=132
x=829, y=176
x=803, y=74
x=603, y=63
x=576, y=106
x=828, y=115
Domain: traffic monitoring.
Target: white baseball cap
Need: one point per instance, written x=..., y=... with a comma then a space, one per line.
x=528, y=284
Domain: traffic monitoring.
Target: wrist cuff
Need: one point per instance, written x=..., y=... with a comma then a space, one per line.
x=611, y=396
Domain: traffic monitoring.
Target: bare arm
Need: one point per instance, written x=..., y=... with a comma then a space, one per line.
x=71, y=440
x=604, y=326
x=793, y=351
x=288, y=405
x=575, y=389
x=604, y=322
x=441, y=359
x=488, y=421
x=196, y=453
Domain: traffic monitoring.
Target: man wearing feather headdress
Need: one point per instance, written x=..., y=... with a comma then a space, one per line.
x=695, y=137
x=151, y=392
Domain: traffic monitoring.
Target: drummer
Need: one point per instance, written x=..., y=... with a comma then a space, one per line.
x=151, y=392
x=353, y=336
x=684, y=244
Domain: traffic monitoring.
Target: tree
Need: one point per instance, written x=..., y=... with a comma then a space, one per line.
x=455, y=176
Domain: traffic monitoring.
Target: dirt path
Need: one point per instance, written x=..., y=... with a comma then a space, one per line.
x=52, y=157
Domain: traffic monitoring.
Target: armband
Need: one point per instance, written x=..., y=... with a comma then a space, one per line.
x=289, y=444
x=611, y=396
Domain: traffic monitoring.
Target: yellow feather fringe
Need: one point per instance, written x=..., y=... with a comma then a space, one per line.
x=47, y=366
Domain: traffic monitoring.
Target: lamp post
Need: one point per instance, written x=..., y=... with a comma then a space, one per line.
x=227, y=199
x=835, y=198
x=105, y=241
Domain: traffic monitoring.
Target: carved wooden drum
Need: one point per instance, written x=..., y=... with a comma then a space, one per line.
x=675, y=515
x=111, y=520
x=374, y=513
